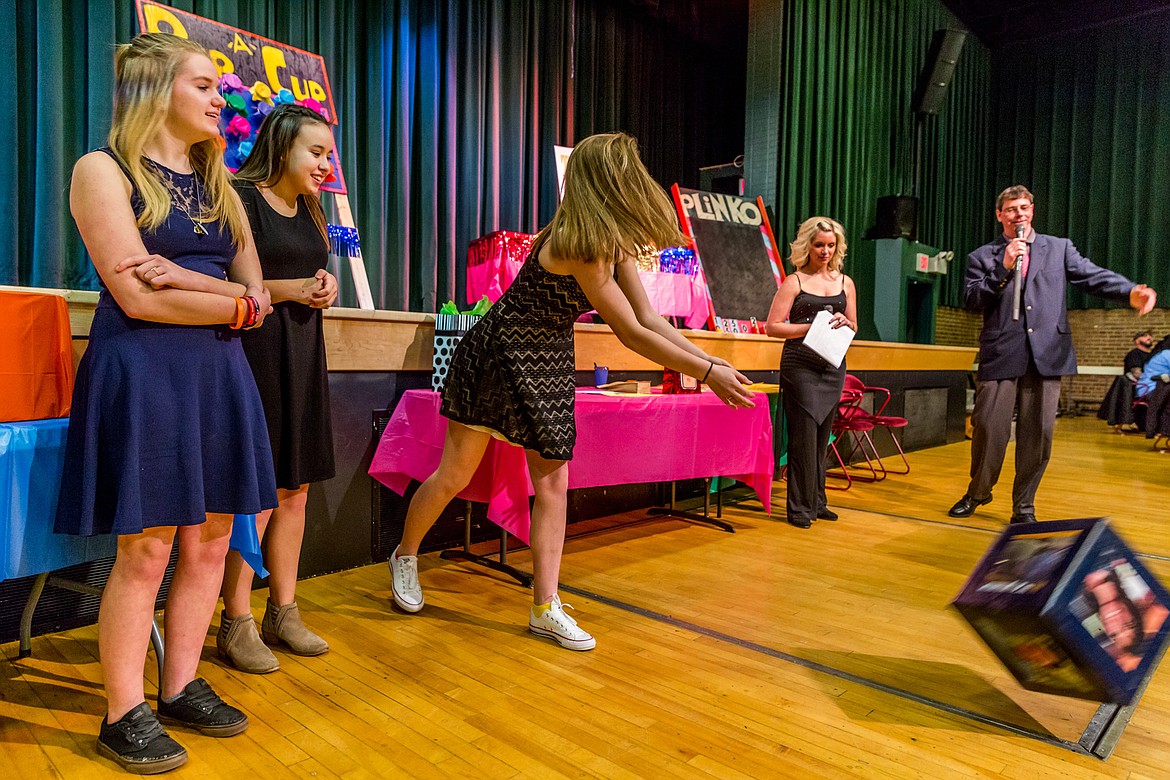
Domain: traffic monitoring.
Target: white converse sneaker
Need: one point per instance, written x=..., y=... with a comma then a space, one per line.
x=408, y=594
x=555, y=624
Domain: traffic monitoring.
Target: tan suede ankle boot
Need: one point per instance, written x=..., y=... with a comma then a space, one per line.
x=238, y=643
x=283, y=625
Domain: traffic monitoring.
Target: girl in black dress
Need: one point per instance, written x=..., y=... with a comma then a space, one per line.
x=167, y=438
x=811, y=386
x=279, y=185
x=512, y=375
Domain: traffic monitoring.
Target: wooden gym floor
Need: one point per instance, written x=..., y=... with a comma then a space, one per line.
x=769, y=653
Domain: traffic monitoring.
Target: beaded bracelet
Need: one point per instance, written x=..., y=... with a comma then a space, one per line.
x=710, y=365
x=253, y=312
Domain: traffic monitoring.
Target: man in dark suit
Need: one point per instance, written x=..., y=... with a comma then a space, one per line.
x=1024, y=352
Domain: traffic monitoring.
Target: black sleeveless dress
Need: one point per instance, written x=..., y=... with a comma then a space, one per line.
x=166, y=423
x=514, y=371
x=287, y=354
x=814, y=384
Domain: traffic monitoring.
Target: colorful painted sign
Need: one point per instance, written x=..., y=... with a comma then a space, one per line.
x=256, y=75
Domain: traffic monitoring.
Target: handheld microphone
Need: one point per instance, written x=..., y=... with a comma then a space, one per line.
x=1022, y=260
x=1018, y=285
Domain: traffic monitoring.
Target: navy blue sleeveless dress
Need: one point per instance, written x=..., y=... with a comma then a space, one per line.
x=166, y=423
x=514, y=371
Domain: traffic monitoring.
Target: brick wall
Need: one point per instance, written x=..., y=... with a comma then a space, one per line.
x=1101, y=337
x=956, y=327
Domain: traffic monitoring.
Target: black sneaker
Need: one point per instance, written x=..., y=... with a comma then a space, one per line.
x=138, y=744
x=200, y=708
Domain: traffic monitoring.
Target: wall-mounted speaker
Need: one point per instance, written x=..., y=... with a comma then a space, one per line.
x=939, y=70
x=726, y=179
x=897, y=217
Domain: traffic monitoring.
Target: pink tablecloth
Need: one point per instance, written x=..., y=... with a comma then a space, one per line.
x=620, y=440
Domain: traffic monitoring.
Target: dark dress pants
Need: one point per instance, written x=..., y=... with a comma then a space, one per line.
x=1036, y=398
x=808, y=442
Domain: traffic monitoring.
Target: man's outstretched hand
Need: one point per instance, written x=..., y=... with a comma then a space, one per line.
x=1143, y=299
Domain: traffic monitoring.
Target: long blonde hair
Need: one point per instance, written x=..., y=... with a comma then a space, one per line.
x=611, y=205
x=144, y=76
x=804, y=236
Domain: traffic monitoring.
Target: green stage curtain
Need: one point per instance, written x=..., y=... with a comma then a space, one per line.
x=449, y=111
x=847, y=129
x=59, y=93
x=1084, y=122
x=448, y=116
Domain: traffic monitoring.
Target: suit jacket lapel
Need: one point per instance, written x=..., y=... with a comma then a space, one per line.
x=1039, y=254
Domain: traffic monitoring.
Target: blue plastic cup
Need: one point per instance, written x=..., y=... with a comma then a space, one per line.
x=600, y=375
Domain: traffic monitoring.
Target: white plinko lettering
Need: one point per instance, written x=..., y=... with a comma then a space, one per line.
x=717, y=207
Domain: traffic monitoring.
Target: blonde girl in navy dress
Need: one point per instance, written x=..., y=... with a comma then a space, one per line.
x=512, y=374
x=167, y=438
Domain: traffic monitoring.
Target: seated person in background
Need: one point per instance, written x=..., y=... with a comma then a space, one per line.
x=1117, y=405
x=1152, y=413
x=1156, y=370
x=1135, y=359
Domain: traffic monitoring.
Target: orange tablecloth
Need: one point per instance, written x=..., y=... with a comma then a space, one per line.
x=36, y=357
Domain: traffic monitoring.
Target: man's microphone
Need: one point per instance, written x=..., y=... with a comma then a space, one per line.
x=1018, y=291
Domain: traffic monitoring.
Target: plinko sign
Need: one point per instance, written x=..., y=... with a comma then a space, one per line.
x=737, y=255
x=256, y=74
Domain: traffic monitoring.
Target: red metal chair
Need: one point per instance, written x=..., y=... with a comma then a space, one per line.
x=850, y=425
x=886, y=422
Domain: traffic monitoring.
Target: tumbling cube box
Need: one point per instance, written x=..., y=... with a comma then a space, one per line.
x=1069, y=609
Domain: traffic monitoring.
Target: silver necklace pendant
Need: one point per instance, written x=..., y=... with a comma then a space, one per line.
x=199, y=229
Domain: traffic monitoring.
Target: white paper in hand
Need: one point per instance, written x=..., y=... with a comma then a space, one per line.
x=830, y=343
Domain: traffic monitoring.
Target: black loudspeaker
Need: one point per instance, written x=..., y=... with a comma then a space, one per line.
x=940, y=68
x=726, y=179
x=897, y=217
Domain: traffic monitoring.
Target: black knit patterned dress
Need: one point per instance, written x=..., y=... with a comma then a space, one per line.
x=514, y=371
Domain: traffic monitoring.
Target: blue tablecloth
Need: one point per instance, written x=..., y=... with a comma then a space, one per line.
x=32, y=458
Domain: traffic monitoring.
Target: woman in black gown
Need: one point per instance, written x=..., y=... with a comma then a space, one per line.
x=279, y=185
x=512, y=375
x=811, y=386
